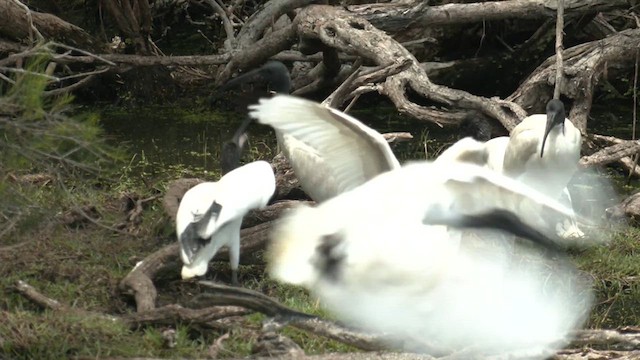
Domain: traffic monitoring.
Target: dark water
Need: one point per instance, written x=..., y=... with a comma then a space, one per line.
x=187, y=141
x=160, y=138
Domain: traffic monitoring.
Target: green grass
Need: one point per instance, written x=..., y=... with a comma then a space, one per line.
x=81, y=266
x=616, y=277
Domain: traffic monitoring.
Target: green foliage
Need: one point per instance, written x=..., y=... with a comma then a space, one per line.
x=43, y=148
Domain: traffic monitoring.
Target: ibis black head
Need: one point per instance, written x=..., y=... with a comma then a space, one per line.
x=272, y=76
x=555, y=117
x=190, y=241
x=277, y=77
x=475, y=127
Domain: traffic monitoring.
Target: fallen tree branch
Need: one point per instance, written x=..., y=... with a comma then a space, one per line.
x=584, y=65
x=227, y=295
x=361, y=78
x=612, y=153
x=352, y=34
x=625, y=162
x=627, y=338
x=590, y=354
x=396, y=16
x=41, y=300
x=139, y=282
x=19, y=25
x=174, y=313
x=228, y=301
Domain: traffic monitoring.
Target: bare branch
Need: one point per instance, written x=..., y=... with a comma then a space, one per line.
x=559, y=32
x=229, y=44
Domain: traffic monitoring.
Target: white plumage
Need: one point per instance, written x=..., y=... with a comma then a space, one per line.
x=550, y=169
x=489, y=154
x=210, y=215
x=375, y=257
x=384, y=250
x=330, y=152
x=547, y=169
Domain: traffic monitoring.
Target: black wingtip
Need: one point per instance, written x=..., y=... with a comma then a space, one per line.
x=500, y=219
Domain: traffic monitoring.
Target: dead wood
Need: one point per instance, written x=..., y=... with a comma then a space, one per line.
x=227, y=295
x=320, y=77
x=604, y=141
x=590, y=354
x=174, y=313
x=139, y=282
x=287, y=185
x=258, y=53
x=627, y=211
x=573, y=354
x=7, y=47
x=16, y=25
x=38, y=298
x=34, y=295
x=347, y=90
x=612, y=153
x=227, y=301
x=256, y=25
x=395, y=137
x=352, y=34
x=274, y=345
x=332, y=356
x=252, y=48
x=396, y=16
x=166, y=315
x=626, y=338
x=79, y=216
x=174, y=193
x=584, y=66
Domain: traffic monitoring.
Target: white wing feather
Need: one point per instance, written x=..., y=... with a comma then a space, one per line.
x=331, y=152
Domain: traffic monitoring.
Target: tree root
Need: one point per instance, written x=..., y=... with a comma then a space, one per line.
x=352, y=34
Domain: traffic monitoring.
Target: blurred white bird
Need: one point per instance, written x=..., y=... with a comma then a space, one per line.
x=483, y=153
x=330, y=152
x=543, y=152
x=210, y=215
x=378, y=257
x=491, y=153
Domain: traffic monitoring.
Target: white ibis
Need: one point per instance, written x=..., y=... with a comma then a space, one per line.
x=378, y=257
x=210, y=215
x=330, y=152
x=543, y=152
